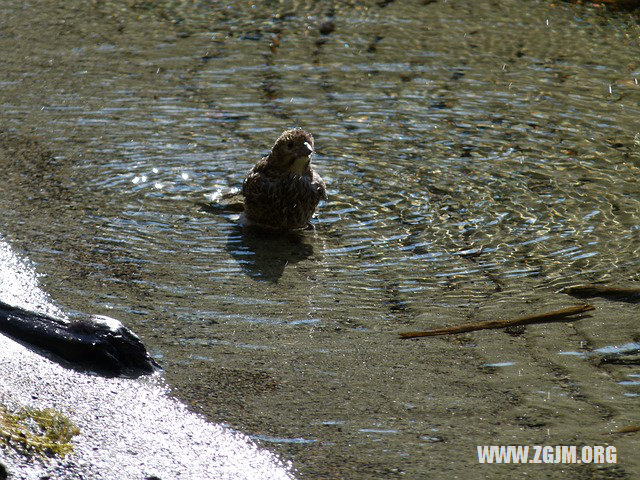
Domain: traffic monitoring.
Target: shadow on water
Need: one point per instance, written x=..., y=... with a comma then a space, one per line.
x=263, y=254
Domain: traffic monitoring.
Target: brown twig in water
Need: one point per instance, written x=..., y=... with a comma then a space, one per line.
x=629, y=429
x=606, y=291
x=470, y=327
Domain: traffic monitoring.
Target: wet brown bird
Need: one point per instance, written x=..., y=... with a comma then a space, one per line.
x=282, y=191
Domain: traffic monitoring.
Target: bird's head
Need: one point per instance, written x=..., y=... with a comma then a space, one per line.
x=292, y=152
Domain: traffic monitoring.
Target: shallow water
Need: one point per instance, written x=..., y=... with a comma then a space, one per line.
x=439, y=133
x=472, y=151
x=127, y=428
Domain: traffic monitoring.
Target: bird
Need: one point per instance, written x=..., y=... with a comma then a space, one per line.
x=282, y=191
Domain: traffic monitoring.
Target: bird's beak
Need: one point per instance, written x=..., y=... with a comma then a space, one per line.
x=307, y=149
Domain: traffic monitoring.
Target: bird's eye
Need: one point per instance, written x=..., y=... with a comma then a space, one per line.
x=290, y=145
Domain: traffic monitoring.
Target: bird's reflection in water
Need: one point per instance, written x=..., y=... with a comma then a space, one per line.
x=264, y=254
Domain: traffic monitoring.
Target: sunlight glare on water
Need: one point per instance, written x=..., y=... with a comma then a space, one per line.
x=502, y=141
x=476, y=154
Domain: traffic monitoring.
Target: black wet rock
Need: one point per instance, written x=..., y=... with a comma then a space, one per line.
x=327, y=27
x=96, y=343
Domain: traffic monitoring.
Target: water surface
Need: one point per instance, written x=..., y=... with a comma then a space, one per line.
x=478, y=157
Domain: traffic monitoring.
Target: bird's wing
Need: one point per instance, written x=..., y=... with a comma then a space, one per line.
x=257, y=186
x=320, y=187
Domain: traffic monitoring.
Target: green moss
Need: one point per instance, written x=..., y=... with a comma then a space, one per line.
x=37, y=432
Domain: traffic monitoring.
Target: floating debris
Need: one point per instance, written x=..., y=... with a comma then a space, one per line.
x=629, y=294
x=470, y=327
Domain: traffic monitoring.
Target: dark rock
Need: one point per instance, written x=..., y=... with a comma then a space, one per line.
x=97, y=343
x=327, y=27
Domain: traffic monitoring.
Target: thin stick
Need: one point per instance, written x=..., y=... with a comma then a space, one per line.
x=606, y=291
x=629, y=429
x=470, y=327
